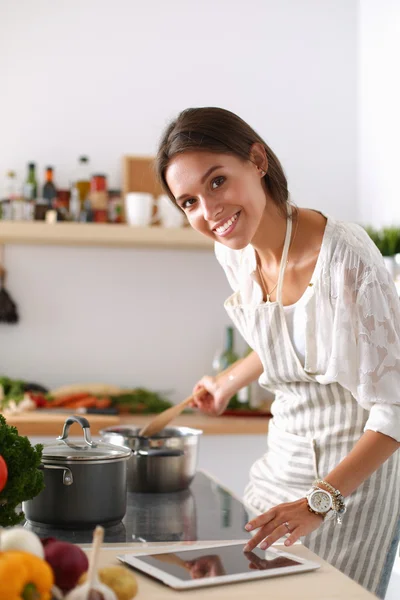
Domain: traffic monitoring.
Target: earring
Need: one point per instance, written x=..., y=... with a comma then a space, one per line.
x=261, y=171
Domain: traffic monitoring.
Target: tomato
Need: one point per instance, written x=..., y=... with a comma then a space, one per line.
x=39, y=399
x=3, y=473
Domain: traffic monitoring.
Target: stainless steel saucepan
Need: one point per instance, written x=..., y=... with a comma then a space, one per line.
x=165, y=462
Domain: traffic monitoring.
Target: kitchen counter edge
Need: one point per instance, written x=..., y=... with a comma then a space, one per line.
x=36, y=423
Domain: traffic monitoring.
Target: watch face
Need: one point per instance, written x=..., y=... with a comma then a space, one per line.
x=320, y=501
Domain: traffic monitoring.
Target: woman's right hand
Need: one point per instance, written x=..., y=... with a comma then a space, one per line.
x=210, y=396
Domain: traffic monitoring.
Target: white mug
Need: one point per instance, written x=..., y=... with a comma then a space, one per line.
x=170, y=215
x=139, y=208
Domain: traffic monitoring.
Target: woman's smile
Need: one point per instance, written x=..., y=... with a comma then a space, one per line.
x=226, y=226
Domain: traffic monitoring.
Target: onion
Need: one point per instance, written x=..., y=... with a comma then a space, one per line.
x=68, y=562
x=21, y=540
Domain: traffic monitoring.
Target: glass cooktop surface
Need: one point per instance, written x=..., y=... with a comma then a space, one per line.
x=205, y=511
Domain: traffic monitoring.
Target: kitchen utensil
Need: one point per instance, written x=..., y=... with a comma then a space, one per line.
x=161, y=420
x=85, y=483
x=165, y=462
x=8, y=308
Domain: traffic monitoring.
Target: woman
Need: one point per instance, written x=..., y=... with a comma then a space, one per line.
x=314, y=301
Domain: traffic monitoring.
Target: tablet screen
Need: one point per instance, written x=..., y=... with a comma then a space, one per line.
x=216, y=562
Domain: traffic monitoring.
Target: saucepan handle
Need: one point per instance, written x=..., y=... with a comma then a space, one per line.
x=67, y=473
x=84, y=423
x=157, y=452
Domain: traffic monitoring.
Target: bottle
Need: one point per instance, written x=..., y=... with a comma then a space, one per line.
x=83, y=179
x=244, y=394
x=87, y=214
x=30, y=186
x=11, y=186
x=224, y=359
x=49, y=189
x=10, y=196
x=115, y=207
x=74, y=204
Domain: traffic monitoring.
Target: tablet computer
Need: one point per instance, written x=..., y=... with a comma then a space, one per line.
x=215, y=565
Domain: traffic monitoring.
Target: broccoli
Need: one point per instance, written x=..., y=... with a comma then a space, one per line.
x=25, y=480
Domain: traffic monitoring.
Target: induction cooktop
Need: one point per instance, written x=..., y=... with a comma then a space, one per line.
x=205, y=511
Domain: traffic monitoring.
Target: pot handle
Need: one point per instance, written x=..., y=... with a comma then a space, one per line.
x=158, y=452
x=67, y=474
x=84, y=423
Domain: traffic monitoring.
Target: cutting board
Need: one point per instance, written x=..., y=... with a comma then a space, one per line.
x=139, y=175
x=33, y=423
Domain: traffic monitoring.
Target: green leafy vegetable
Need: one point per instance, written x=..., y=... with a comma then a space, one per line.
x=13, y=389
x=25, y=480
x=141, y=401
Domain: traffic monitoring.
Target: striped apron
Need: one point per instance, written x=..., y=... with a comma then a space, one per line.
x=313, y=428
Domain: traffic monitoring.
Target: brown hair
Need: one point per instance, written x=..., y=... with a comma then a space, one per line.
x=220, y=131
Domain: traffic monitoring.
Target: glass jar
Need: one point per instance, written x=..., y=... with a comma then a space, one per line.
x=99, y=198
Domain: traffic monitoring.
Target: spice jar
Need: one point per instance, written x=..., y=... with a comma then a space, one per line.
x=99, y=198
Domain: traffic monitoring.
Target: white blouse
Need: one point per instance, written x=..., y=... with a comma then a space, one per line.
x=349, y=318
x=295, y=318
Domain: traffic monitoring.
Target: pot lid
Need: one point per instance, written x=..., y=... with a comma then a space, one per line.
x=68, y=450
x=87, y=449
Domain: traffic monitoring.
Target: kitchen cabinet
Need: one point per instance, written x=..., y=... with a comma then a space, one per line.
x=101, y=234
x=229, y=457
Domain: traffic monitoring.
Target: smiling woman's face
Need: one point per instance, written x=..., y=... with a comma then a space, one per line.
x=221, y=195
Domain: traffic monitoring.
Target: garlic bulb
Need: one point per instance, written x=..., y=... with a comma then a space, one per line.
x=95, y=591
x=93, y=588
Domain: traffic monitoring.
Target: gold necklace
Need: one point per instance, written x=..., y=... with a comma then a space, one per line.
x=261, y=276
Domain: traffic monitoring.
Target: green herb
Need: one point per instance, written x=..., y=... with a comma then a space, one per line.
x=141, y=401
x=13, y=389
x=25, y=480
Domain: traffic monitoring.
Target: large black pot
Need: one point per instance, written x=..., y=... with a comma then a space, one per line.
x=85, y=484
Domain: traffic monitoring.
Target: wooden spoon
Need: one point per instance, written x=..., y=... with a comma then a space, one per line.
x=162, y=419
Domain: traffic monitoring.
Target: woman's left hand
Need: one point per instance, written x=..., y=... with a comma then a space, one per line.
x=291, y=517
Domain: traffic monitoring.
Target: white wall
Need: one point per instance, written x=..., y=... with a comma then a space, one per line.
x=379, y=197
x=103, y=77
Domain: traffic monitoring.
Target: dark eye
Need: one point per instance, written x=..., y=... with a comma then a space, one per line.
x=187, y=203
x=217, y=182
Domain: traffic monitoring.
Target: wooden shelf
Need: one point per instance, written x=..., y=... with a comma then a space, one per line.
x=100, y=234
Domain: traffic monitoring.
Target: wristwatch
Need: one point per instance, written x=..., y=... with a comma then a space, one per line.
x=319, y=501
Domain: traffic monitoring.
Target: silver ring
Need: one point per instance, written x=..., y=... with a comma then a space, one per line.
x=286, y=524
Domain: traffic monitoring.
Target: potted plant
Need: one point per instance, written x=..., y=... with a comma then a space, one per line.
x=387, y=241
